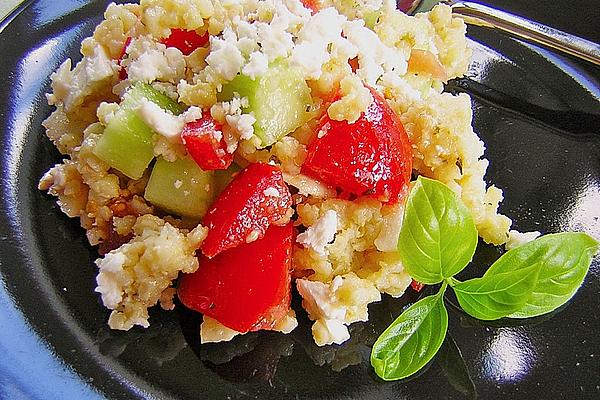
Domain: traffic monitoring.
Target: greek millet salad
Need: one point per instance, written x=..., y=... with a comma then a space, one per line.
x=229, y=151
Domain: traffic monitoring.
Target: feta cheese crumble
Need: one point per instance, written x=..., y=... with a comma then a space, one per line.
x=319, y=300
x=516, y=238
x=111, y=280
x=148, y=60
x=315, y=38
x=271, y=192
x=225, y=56
x=321, y=233
x=71, y=87
x=374, y=57
x=335, y=305
x=163, y=122
x=243, y=124
x=129, y=280
x=231, y=113
x=256, y=66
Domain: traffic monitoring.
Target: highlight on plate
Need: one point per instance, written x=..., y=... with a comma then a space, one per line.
x=233, y=153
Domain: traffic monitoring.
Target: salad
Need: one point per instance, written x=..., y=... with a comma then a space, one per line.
x=233, y=153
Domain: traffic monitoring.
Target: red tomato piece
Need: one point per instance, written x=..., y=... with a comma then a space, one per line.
x=122, y=71
x=203, y=139
x=417, y=286
x=353, y=63
x=186, y=41
x=256, y=198
x=372, y=156
x=246, y=288
x=123, y=74
x=312, y=5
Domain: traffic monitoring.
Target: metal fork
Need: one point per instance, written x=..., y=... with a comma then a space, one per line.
x=514, y=25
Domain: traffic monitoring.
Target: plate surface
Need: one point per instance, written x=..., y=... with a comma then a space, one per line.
x=539, y=116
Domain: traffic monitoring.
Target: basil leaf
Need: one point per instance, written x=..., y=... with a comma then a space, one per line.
x=412, y=340
x=496, y=295
x=438, y=237
x=565, y=259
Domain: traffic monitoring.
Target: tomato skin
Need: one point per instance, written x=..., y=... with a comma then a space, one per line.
x=417, y=286
x=354, y=64
x=312, y=5
x=246, y=206
x=200, y=140
x=185, y=41
x=122, y=70
x=246, y=288
x=372, y=156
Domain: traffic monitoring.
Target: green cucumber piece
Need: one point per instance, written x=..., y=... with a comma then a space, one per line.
x=224, y=177
x=180, y=187
x=126, y=143
x=279, y=100
x=141, y=91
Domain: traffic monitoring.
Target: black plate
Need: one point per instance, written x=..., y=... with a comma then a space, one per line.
x=539, y=116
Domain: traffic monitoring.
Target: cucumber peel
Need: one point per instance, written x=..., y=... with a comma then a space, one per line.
x=279, y=100
x=126, y=143
x=180, y=187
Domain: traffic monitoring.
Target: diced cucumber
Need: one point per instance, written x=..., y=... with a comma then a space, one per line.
x=126, y=143
x=224, y=178
x=279, y=100
x=180, y=187
x=142, y=90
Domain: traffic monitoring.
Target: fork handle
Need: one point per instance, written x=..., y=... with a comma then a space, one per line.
x=480, y=15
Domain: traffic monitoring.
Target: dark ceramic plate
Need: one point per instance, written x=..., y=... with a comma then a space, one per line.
x=539, y=115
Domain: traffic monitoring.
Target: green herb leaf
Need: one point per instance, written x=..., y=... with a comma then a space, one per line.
x=438, y=237
x=496, y=295
x=530, y=280
x=412, y=339
x=565, y=259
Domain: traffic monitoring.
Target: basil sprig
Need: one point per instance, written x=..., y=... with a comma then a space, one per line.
x=437, y=240
x=564, y=260
x=495, y=296
x=412, y=339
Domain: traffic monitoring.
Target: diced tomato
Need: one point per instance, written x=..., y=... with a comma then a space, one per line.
x=246, y=288
x=256, y=198
x=122, y=71
x=186, y=41
x=425, y=62
x=204, y=141
x=417, y=286
x=124, y=49
x=371, y=156
x=353, y=63
x=312, y=5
